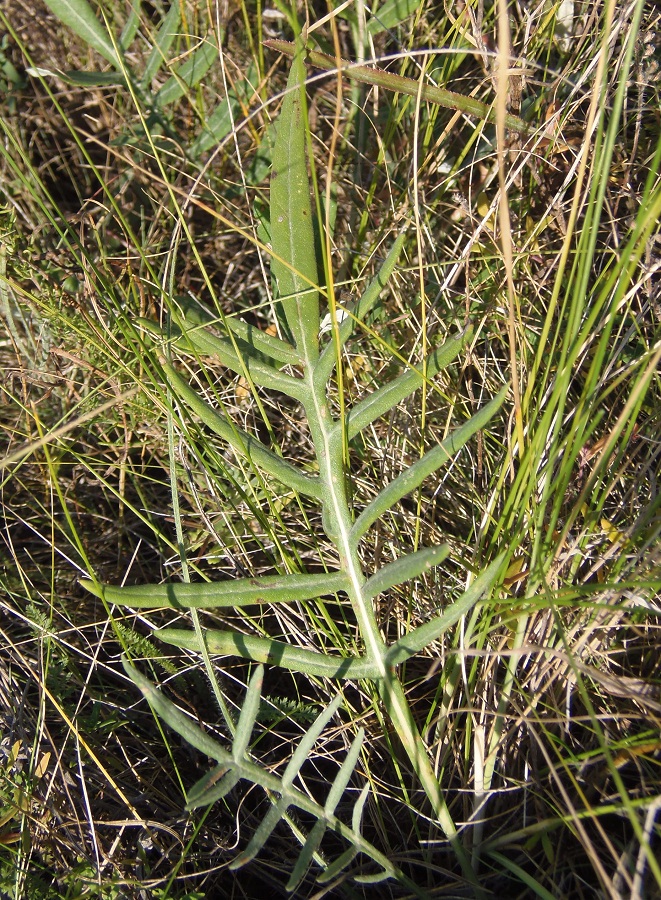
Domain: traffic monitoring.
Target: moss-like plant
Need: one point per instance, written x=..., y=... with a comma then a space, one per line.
x=302, y=368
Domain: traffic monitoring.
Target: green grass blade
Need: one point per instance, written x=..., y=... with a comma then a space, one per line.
x=382, y=400
x=235, y=592
x=79, y=17
x=430, y=462
x=189, y=73
x=421, y=637
x=404, y=569
x=164, y=40
x=294, y=263
x=276, y=653
x=536, y=889
x=248, y=715
x=243, y=443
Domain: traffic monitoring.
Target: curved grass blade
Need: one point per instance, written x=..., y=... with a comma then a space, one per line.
x=236, y=592
x=277, y=653
x=382, y=400
x=430, y=462
x=294, y=263
x=79, y=17
x=244, y=444
x=422, y=636
x=404, y=569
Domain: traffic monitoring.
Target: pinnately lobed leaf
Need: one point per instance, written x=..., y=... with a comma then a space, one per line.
x=262, y=359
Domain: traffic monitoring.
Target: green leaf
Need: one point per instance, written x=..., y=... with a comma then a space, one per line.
x=218, y=124
x=421, y=637
x=341, y=780
x=305, y=856
x=198, y=340
x=294, y=263
x=307, y=742
x=404, y=569
x=261, y=835
x=256, y=341
x=212, y=787
x=430, y=462
x=189, y=73
x=243, y=443
x=338, y=865
x=276, y=653
x=175, y=718
x=132, y=25
x=357, y=311
x=79, y=17
x=248, y=715
x=93, y=79
x=164, y=40
x=359, y=806
x=390, y=14
x=382, y=400
x=235, y=592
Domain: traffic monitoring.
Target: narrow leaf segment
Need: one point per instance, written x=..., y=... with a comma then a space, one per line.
x=237, y=592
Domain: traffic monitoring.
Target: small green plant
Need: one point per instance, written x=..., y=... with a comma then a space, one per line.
x=302, y=368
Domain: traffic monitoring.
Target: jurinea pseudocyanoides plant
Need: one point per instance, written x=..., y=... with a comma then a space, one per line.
x=262, y=358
